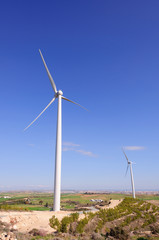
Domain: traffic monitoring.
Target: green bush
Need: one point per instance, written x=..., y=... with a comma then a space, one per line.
x=81, y=224
x=54, y=223
x=74, y=217
x=64, y=224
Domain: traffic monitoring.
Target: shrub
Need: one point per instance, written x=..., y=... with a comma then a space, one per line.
x=37, y=232
x=81, y=224
x=149, y=219
x=54, y=223
x=66, y=221
x=118, y=233
x=74, y=217
x=127, y=221
x=64, y=224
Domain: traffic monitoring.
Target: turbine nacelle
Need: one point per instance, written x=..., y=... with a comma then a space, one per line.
x=58, y=93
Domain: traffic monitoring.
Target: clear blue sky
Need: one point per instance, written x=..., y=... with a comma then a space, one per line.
x=101, y=54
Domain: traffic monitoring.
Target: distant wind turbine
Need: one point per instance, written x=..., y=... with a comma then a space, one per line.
x=131, y=173
x=58, y=149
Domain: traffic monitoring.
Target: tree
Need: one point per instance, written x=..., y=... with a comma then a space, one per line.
x=46, y=205
x=41, y=202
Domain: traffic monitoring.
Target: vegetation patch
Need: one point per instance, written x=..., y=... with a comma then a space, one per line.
x=130, y=216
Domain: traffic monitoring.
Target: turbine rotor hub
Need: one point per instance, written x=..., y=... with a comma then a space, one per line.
x=59, y=93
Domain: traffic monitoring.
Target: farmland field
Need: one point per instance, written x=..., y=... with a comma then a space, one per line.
x=69, y=201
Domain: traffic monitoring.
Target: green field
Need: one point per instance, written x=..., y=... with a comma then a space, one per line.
x=44, y=201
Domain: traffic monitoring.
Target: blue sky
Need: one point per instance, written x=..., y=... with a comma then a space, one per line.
x=103, y=55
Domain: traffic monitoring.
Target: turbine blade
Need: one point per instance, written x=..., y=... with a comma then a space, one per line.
x=74, y=103
x=125, y=156
x=49, y=75
x=127, y=169
x=40, y=113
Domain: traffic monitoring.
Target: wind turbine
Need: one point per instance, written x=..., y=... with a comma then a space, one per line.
x=131, y=173
x=58, y=148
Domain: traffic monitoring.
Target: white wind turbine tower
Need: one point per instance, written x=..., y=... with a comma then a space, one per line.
x=131, y=173
x=58, y=149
